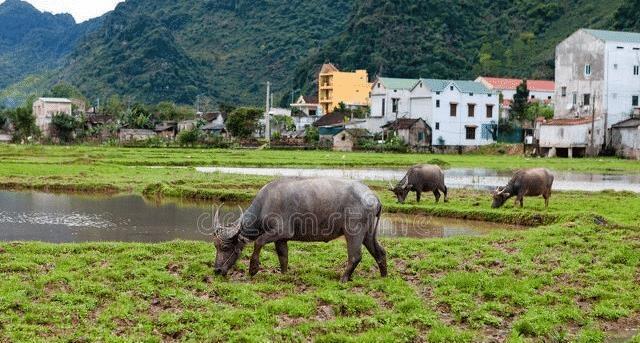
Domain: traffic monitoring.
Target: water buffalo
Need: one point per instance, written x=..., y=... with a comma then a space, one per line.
x=526, y=182
x=308, y=210
x=422, y=178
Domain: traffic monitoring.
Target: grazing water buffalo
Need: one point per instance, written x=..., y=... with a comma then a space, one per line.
x=526, y=182
x=422, y=178
x=304, y=209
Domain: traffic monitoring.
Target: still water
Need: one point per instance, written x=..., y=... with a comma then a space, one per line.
x=478, y=178
x=61, y=218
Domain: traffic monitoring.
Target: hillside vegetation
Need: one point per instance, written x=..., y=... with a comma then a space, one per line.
x=33, y=42
x=165, y=50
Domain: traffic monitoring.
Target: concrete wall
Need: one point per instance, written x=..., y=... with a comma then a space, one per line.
x=44, y=112
x=343, y=142
x=626, y=142
x=572, y=55
x=620, y=82
x=380, y=92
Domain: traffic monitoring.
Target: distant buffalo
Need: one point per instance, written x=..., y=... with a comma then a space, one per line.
x=526, y=182
x=422, y=178
x=308, y=210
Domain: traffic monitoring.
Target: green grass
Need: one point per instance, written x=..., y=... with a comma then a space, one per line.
x=84, y=155
x=574, y=277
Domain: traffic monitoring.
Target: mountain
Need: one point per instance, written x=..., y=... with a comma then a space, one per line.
x=153, y=50
x=458, y=39
x=32, y=41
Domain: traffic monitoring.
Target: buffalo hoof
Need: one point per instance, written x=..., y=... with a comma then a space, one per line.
x=253, y=271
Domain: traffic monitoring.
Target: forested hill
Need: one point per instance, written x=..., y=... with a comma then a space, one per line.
x=153, y=50
x=32, y=41
x=459, y=39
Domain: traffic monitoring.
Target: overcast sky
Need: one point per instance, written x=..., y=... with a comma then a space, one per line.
x=80, y=9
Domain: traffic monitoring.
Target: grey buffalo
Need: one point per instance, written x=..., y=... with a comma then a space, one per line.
x=526, y=182
x=308, y=210
x=422, y=178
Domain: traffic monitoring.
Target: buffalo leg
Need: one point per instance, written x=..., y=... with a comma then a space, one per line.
x=436, y=193
x=418, y=194
x=546, y=201
x=378, y=253
x=354, y=252
x=283, y=255
x=254, y=264
x=446, y=193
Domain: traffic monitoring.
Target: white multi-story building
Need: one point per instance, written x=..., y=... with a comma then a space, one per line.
x=459, y=112
x=597, y=76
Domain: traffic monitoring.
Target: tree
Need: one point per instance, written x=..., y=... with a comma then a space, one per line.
x=243, y=121
x=4, y=117
x=536, y=110
x=167, y=110
x=64, y=126
x=137, y=118
x=311, y=134
x=24, y=124
x=189, y=137
x=520, y=102
x=114, y=106
x=283, y=123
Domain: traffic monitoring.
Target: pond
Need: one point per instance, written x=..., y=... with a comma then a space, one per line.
x=63, y=218
x=478, y=178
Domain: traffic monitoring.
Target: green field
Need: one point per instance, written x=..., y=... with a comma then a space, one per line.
x=575, y=276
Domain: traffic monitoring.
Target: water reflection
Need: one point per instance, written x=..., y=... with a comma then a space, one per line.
x=477, y=178
x=34, y=216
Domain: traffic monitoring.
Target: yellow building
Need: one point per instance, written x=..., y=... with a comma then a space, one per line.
x=335, y=86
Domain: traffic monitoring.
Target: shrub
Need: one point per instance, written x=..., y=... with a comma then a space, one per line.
x=64, y=126
x=189, y=137
x=243, y=121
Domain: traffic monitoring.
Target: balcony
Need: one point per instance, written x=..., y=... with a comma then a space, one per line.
x=326, y=85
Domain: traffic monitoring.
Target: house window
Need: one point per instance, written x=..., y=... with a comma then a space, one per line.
x=437, y=126
x=533, y=97
x=489, y=111
x=564, y=91
x=615, y=66
x=420, y=136
x=575, y=98
x=394, y=105
x=313, y=112
x=437, y=93
x=470, y=132
x=549, y=97
x=620, y=47
x=383, y=107
x=451, y=88
x=438, y=103
x=470, y=94
x=587, y=69
x=453, y=109
x=636, y=70
x=472, y=110
x=378, y=84
x=586, y=99
x=634, y=101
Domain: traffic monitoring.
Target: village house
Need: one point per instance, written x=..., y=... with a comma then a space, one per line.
x=625, y=138
x=539, y=90
x=305, y=111
x=413, y=132
x=45, y=108
x=459, y=112
x=335, y=87
x=167, y=129
x=597, y=76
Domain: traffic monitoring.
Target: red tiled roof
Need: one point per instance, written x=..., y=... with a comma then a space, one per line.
x=512, y=84
x=567, y=121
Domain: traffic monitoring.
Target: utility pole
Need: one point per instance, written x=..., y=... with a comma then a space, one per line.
x=593, y=124
x=267, y=119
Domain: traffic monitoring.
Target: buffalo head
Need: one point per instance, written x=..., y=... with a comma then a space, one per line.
x=499, y=197
x=229, y=244
x=401, y=190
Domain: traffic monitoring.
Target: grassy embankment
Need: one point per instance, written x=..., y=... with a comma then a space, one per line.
x=577, y=278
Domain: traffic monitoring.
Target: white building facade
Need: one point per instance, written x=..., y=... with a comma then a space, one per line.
x=597, y=75
x=45, y=108
x=459, y=113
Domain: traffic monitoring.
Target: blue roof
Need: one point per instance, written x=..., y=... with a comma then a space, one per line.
x=615, y=36
x=465, y=86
